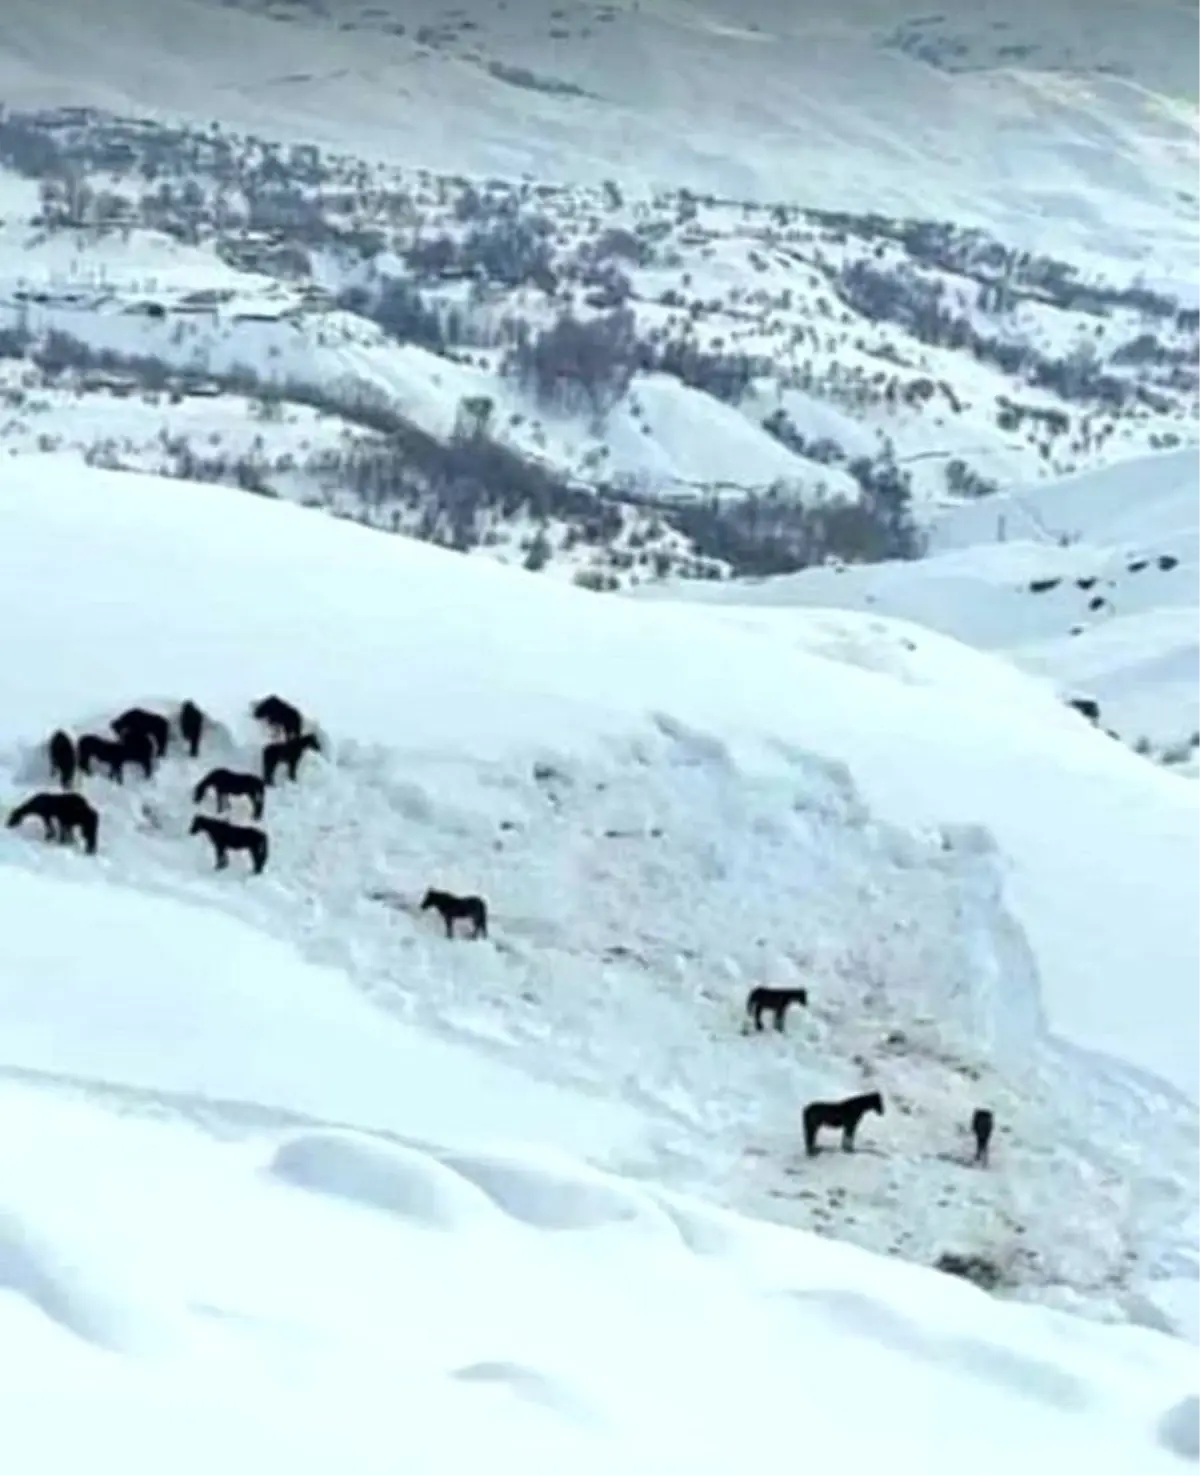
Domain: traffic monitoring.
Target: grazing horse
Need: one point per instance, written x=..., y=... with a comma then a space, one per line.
x=451, y=908
x=63, y=761
x=138, y=720
x=764, y=1000
x=280, y=715
x=226, y=838
x=845, y=1115
x=225, y=782
x=982, y=1123
x=61, y=815
x=289, y=752
x=191, y=727
x=137, y=748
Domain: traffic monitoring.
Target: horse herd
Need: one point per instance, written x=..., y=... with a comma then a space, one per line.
x=848, y=1113
x=141, y=738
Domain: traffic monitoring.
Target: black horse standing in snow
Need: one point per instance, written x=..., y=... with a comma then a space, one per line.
x=982, y=1124
x=226, y=838
x=137, y=748
x=137, y=720
x=287, y=752
x=226, y=783
x=61, y=816
x=763, y=1000
x=63, y=761
x=280, y=715
x=845, y=1115
x=191, y=727
x=451, y=908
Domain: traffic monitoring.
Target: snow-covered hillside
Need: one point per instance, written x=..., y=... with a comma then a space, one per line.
x=1085, y=131
x=1091, y=582
x=989, y=902
x=250, y=1223
x=739, y=336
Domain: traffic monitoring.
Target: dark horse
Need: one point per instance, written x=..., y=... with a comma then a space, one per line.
x=62, y=815
x=226, y=838
x=280, y=715
x=982, y=1123
x=191, y=727
x=138, y=720
x=226, y=783
x=289, y=752
x=451, y=908
x=63, y=761
x=137, y=748
x=845, y=1115
x=764, y=1000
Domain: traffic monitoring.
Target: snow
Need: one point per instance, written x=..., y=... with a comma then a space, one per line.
x=215, y=1286
x=279, y=1160
x=1096, y=536
x=824, y=106
x=664, y=806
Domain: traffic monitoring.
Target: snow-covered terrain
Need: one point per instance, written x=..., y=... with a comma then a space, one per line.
x=293, y=1198
x=1085, y=130
x=1091, y=582
x=487, y=281
x=931, y=856
x=665, y=298
x=250, y=1223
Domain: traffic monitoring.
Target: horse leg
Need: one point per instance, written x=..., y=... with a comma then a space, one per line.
x=780, y=1011
x=222, y=858
x=222, y=802
x=758, y=1014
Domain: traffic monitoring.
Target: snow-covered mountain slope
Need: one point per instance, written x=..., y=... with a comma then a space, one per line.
x=988, y=902
x=1091, y=582
x=1085, y=131
x=772, y=315
x=250, y=1223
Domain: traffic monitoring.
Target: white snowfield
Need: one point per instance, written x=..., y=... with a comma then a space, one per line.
x=277, y=1213
x=251, y=1229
